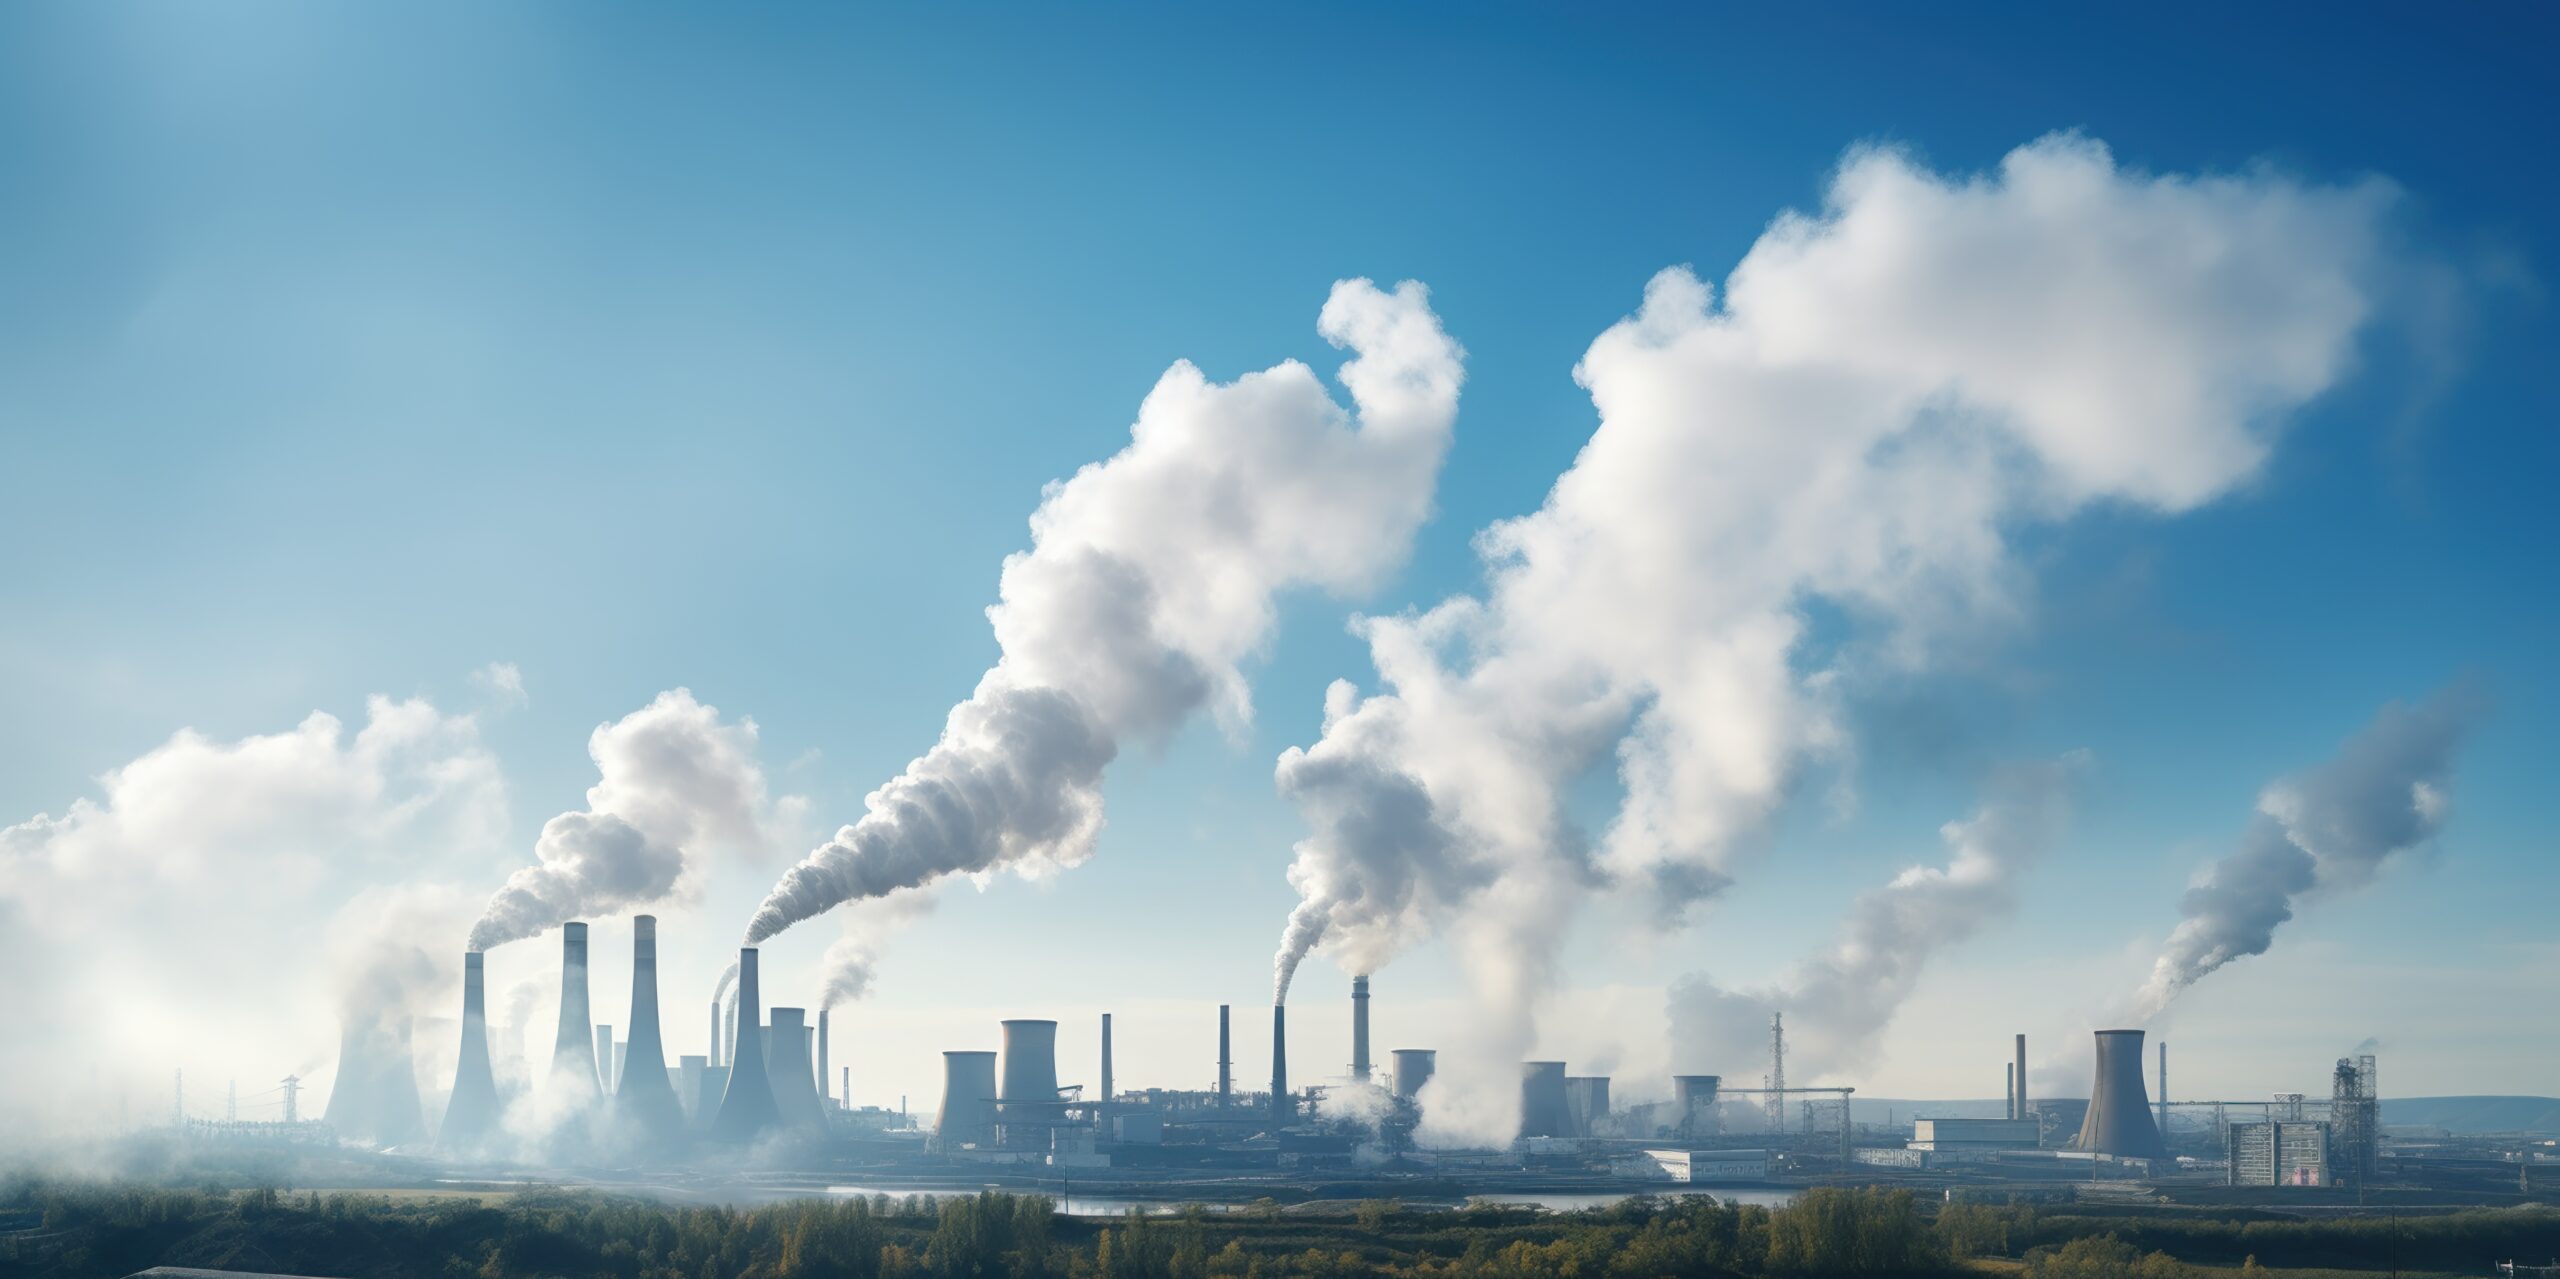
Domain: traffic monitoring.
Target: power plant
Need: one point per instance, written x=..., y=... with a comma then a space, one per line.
x=763, y=1090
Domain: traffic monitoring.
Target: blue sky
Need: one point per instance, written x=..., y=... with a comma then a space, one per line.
x=345, y=351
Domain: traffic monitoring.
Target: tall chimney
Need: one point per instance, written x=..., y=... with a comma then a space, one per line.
x=472, y=1112
x=1027, y=1104
x=2119, y=1121
x=746, y=1108
x=2020, y=1069
x=2009, y=1087
x=823, y=1077
x=573, y=1054
x=968, y=1115
x=2164, y=1091
x=643, y=1096
x=795, y=1090
x=1360, y=1030
x=1282, y=1108
x=1106, y=1059
x=1226, y=1063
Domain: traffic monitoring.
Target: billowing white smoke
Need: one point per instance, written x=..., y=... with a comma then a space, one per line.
x=1889, y=391
x=1150, y=579
x=1838, y=1003
x=853, y=960
x=672, y=779
x=2325, y=831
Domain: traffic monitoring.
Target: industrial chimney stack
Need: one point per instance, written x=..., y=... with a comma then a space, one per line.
x=2018, y=1098
x=2119, y=1121
x=824, y=1096
x=1360, y=1030
x=574, y=1072
x=746, y=1108
x=472, y=1112
x=644, y=1097
x=1106, y=1059
x=1282, y=1111
x=1226, y=1063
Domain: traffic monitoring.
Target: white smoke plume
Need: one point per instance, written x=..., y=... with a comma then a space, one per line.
x=853, y=960
x=672, y=780
x=1890, y=390
x=2329, y=830
x=1150, y=579
x=1839, y=1002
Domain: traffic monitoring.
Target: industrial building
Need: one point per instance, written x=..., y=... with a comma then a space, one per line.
x=2278, y=1152
x=1957, y=1138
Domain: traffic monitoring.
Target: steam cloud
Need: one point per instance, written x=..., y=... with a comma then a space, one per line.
x=1889, y=391
x=672, y=778
x=1838, y=1003
x=2328, y=830
x=853, y=960
x=1150, y=579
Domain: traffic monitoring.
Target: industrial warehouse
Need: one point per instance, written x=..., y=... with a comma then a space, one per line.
x=760, y=1112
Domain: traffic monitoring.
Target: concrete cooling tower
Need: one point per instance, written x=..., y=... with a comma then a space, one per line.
x=574, y=1074
x=2119, y=1121
x=1542, y=1104
x=1027, y=1104
x=795, y=1089
x=1693, y=1104
x=1413, y=1067
x=1586, y=1104
x=968, y=1115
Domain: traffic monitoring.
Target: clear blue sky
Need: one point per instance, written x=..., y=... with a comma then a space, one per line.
x=345, y=350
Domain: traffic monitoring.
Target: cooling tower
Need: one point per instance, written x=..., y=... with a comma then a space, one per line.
x=351, y=1092
x=1586, y=1104
x=688, y=1083
x=1413, y=1067
x=398, y=1119
x=472, y=1112
x=968, y=1115
x=1693, y=1104
x=823, y=1076
x=642, y=1096
x=1226, y=1063
x=1027, y=1103
x=1360, y=1030
x=795, y=1089
x=1283, y=1107
x=2018, y=1071
x=746, y=1105
x=1106, y=1057
x=2119, y=1121
x=1542, y=1104
x=573, y=1055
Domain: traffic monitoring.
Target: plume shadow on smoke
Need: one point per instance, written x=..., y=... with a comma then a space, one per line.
x=2322, y=832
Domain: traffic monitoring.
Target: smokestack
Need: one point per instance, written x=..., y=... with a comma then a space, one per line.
x=2119, y=1121
x=1027, y=1103
x=573, y=1053
x=1693, y=1104
x=2164, y=1091
x=2019, y=1067
x=1586, y=1104
x=1542, y=1105
x=1413, y=1067
x=746, y=1108
x=795, y=1090
x=1226, y=1063
x=472, y=1112
x=2009, y=1087
x=1360, y=1030
x=968, y=1115
x=823, y=1077
x=642, y=1095
x=1106, y=1059
x=1282, y=1109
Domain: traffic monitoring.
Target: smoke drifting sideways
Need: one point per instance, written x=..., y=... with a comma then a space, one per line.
x=1892, y=389
x=673, y=779
x=1150, y=579
x=1840, y=1002
x=2319, y=833
x=852, y=961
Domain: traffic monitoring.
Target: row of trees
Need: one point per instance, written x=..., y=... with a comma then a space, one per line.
x=114, y=1230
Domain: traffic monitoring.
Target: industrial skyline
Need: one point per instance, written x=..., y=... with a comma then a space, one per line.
x=1930, y=571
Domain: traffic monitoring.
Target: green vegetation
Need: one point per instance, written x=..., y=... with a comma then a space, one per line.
x=93, y=1229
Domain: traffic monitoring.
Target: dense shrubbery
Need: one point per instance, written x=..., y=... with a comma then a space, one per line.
x=113, y=1230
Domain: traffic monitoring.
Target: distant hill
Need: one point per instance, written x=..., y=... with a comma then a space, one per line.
x=2458, y=1115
